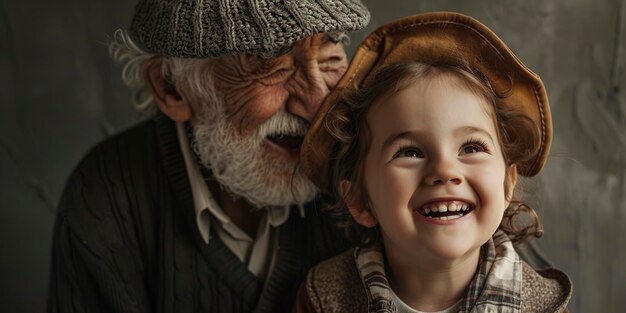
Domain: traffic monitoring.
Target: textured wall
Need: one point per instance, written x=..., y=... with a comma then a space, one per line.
x=60, y=94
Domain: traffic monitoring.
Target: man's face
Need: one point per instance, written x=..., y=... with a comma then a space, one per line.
x=251, y=138
x=254, y=88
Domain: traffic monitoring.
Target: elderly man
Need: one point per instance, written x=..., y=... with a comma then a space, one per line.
x=203, y=207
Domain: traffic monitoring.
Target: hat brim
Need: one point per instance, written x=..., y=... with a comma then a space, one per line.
x=435, y=38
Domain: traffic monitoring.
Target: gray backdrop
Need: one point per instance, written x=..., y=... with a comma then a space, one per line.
x=60, y=94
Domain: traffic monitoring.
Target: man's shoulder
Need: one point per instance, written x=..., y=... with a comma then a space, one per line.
x=110, y=156
x=112, y=180
x=333, y=285
x=547, y=290
x=137, y=138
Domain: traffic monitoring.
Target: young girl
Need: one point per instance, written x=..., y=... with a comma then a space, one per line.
x=423, y=142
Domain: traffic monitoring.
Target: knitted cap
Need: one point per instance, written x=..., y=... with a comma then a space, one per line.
x=208, y=28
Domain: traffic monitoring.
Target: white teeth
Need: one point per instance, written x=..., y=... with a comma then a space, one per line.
x=452, y=207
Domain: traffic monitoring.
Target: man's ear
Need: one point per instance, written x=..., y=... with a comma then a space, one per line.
x=357, y=209
x=165, y=95
x=511, y=180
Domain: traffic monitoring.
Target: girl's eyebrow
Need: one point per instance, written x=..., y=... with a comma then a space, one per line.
x=397, y=136
x=464, y=130
x=472, y=130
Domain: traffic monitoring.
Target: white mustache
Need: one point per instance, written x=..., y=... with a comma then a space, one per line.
x=283, y=123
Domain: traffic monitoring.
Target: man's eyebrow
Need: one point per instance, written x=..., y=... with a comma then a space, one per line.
x=257, y=64
x=336, y=37
x=327, y=38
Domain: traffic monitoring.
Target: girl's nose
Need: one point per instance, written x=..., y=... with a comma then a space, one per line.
x=441, y=172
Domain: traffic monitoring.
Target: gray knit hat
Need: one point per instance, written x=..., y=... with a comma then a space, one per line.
x=207, y=28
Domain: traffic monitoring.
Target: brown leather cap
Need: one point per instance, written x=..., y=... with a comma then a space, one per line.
x=435, y=38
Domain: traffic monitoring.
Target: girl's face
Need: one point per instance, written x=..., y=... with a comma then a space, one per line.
x=434, y=172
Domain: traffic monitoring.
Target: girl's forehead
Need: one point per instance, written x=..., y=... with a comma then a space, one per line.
x=428, y=93
x=430, y=109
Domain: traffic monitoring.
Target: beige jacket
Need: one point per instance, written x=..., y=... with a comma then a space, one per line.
x=331, y=287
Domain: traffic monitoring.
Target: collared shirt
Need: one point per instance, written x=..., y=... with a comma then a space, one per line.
x=496, y=287
x=256, y=252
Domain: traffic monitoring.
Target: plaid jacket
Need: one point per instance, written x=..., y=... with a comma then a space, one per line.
x=503, y=283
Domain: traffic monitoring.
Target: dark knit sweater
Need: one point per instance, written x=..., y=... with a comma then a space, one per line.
x=126, y=240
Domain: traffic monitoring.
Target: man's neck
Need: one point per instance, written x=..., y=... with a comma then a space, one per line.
x=240, y=212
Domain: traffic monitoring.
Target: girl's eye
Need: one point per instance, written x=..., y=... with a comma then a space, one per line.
x=473, y=146
x=471, y=149
x=409, y=153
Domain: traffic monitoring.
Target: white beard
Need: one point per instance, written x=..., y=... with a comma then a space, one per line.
x=243, y=167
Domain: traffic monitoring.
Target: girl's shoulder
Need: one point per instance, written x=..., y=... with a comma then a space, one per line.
x=547, y=290
x=332, y=285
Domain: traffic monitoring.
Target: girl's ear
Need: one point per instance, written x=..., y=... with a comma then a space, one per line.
x=357, y=209
x=165, y=95
x=511, y=180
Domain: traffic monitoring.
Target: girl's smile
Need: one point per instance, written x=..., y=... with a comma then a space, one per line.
x=444, y=210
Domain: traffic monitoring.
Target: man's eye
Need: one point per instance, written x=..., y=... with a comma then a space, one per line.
x=409, y=153
x=280, y=73
x=277, y=76
x=332, y=64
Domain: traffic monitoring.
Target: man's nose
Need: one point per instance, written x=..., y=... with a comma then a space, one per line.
x=441, y=170
x=307, y=87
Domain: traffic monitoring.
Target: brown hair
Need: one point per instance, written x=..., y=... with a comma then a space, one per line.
x=346, y=122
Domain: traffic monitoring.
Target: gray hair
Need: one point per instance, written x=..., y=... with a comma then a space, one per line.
x=124, y=51
x=189, y=74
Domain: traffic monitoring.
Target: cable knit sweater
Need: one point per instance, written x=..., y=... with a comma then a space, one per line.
x=125, y=238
